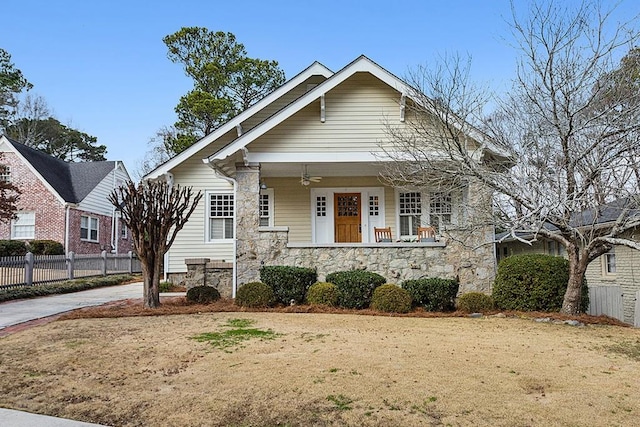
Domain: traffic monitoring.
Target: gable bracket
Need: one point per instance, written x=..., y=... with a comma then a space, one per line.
x=245, y=156
x=403, y=105
x=322, y=109
x=239, y=129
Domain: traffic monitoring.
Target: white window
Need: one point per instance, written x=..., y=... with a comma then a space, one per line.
x=266, y=208
x=321, y=206
x=610, y=262
x=89, y=228
x=440, y=209
x=23, y=227
x=410, y=211
x=220, y=213
x=123, y=231
x=5, y=173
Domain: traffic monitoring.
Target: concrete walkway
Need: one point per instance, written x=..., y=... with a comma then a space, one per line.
x=11, y=418
x=16, y=312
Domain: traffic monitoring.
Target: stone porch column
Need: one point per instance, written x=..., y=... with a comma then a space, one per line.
x=247, y=221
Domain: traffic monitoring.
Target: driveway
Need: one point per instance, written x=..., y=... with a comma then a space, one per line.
x=16, y=312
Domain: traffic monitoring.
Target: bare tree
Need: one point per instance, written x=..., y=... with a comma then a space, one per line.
x=155, y=212
x=9, y=195
x=568, y=137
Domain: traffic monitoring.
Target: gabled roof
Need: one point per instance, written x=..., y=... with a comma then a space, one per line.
x=313, y=70
x=70, y=181
x=361, y=64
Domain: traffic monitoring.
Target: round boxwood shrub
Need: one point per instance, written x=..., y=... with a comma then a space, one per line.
x=475, y=302
x=433, y=293
x=534, y=282
x=254, y=294
x=203, y=294
x=288, y=283
x=356, y=287
x=323, y=293
x=391, y=299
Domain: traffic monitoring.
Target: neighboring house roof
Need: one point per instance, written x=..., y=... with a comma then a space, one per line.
x=70, y=180
x=360, y=64
x=600, y=216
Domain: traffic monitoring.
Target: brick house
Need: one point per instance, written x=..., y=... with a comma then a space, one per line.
x=63, y=201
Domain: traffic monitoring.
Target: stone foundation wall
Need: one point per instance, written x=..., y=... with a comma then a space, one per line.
x=474, y=267
x=203, y=272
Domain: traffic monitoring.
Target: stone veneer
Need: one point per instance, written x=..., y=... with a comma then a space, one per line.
x=204, y=272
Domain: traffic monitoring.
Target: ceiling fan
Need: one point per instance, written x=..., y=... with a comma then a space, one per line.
x=307, y=179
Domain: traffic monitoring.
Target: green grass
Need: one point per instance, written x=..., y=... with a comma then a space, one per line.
x=233, y=338
x=341, y=401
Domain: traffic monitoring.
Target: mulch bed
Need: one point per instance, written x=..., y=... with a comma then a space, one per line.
x=179, y=305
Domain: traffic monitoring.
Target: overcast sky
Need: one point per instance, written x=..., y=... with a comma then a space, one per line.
x=102, y=67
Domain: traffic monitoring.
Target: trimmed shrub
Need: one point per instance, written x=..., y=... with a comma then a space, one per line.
x=203, y=295
x=45, y=247
x=323, y=293
x=254, y=294
x=165, y=286
x=356, y=287
x=288, y=283
x=13, y=248
x=475, y=302
x=433, y=293
x=391, y=299
x=534, y=282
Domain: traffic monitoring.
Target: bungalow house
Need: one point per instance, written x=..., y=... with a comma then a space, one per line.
x=63, y=201
x=295, y=180
x=613, y=278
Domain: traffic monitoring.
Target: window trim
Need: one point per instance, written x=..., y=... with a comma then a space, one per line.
x=5, y=173
x=207, y=215
x=606, y=264
x=441, y=225
x=89, y=229
x=13, y=225
x=399, y=216
x=270, y=207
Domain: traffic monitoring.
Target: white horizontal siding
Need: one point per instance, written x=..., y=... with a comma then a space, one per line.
x=97, y=200
x=356, y=111
x=191, y=240
x=280, y=103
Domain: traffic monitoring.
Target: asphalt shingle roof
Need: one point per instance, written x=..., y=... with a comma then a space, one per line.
x=72, y=181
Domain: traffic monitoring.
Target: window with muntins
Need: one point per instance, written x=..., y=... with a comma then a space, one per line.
x=5, y=173
x=23, y=226
x=89, y=228
x=440, y=209
x=266, y=208
x=221, y=208
x=410, y=210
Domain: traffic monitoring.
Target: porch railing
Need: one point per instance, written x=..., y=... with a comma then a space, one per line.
x=28, y=270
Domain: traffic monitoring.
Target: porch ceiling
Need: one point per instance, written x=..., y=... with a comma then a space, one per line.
x=282, y=170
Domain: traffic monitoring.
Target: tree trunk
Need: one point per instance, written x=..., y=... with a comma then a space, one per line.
x=573, y=295
x=151, y=274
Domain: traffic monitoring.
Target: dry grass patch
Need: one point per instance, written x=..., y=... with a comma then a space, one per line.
x=322, y=370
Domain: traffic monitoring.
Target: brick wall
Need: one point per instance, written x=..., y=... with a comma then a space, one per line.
x=50, y=217
x=80, y=246
x=49, y=211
